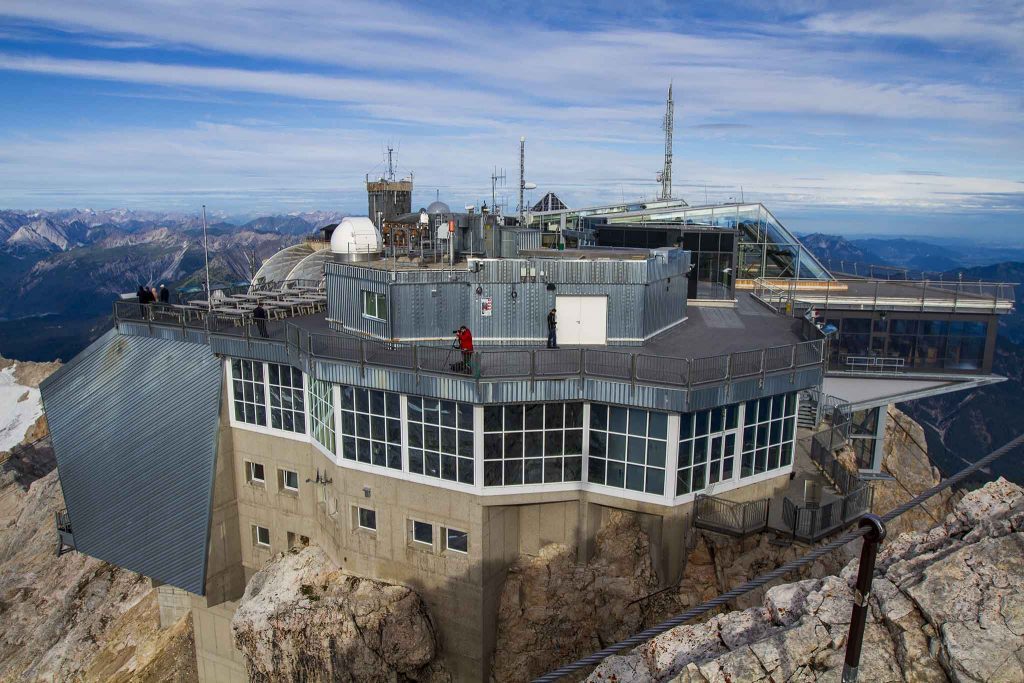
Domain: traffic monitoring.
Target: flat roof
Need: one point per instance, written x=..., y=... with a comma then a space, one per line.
x=707, y=331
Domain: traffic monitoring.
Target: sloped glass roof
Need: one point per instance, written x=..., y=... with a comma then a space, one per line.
x=277, y=267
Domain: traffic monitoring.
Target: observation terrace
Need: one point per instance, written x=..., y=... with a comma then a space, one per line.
x=712, y=346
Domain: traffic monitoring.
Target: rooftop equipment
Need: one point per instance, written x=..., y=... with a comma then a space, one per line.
x=356, y=239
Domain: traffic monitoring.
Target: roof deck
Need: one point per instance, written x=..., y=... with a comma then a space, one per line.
x=712, y=345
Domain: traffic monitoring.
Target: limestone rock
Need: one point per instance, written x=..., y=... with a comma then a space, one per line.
x=300, y=619
x=552, y=609
x=947, y=604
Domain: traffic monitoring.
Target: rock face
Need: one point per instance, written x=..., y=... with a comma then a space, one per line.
x=906, y=460
x=553, y=610
x=72, y=617
x=946, y=604
x=301, y=620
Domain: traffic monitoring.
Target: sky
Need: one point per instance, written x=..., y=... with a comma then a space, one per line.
x=852, y=117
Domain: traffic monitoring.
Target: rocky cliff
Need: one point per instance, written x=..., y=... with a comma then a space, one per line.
x=72, y=617
x=553, y=610
x=300, y=619
x=947, y=605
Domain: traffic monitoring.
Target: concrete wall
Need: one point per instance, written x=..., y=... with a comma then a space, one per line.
x=462, y=592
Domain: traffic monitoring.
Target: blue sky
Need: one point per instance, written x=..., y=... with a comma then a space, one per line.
x=841, y=117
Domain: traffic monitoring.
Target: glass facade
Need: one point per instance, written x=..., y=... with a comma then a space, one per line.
x=922, y=344
x=249, y=392
x=441, y=439
x=524, y=444
x=708, y=441
x=321, y=413
x=287, y=402
x=769, y=429
x=371, y=427
x=534, y=443
x=627, y=448
x=766, y=248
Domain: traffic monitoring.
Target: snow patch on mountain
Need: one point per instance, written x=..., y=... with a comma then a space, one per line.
x=20, y=407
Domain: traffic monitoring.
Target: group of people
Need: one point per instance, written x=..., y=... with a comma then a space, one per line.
x=149, y=295
x=464, y=342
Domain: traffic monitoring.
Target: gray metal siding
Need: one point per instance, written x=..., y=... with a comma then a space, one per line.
x=134, y=424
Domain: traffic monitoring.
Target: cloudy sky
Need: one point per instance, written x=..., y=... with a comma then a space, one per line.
x=903, y=118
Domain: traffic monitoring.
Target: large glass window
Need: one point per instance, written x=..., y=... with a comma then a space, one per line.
x=249, y=394
x=371, y=427
x=287, y=409
x=534, y=443
x=375, y=305
x=321, y=412
x=441, y=439
x=708, y=441
x=627, y=448
x=769, y=425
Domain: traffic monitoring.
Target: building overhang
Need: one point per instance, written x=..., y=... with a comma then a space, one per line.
x=871, y=392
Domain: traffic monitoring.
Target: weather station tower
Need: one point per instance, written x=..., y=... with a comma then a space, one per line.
x=665, y=176
x=388, y=197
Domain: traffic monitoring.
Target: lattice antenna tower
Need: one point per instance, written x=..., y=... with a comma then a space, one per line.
x=667, y=125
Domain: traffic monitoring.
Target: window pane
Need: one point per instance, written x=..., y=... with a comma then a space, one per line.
x=458, y=541
x=423, y=532
x=367, y=518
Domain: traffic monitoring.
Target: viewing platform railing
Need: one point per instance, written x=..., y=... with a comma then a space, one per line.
x=494, y=363
x=728, y=517
x=794, y=297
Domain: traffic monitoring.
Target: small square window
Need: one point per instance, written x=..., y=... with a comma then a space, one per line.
x=457, y=541
x=367, y=519
x=290, y=480
x=261, y=535
x=422, y=532
x=254, y=473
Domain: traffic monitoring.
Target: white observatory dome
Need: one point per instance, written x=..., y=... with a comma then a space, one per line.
x=438, y=207
x=356, y=235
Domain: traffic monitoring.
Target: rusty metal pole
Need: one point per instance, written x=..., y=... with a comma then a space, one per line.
x=859, y=617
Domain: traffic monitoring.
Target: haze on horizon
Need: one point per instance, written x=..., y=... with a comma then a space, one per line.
x=842, y=118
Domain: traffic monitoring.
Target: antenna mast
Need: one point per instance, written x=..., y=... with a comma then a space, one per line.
x=206, y=252
x=495, y=179
x=667, y=125
x=391, y=166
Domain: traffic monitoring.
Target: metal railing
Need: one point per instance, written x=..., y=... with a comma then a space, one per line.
x=65, y=536
x=795, y=297
x=875, y=363
x=728, y=517
x=812, y=523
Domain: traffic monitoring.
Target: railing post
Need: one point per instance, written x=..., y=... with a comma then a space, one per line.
x=362, y=358
x=861, y=593
x=632, y=369
x=583, y=363
x=533, y=365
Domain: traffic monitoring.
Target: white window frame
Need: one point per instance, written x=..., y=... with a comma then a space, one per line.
x=416, y=541
x=267, y=428
x=378, y=300
x=250, y=473
x=447, y=537
x=359, y=519
x=284, y=481
x=256, y=535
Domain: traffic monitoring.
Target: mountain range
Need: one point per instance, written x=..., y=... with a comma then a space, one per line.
x=61, y=270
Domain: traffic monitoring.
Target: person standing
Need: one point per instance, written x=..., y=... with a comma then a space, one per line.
x=259, y=314
x=552, y=329
x=165, y=294
x=142, y=294
x=466, y=346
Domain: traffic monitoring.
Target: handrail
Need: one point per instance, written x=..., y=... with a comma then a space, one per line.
x=794, y=297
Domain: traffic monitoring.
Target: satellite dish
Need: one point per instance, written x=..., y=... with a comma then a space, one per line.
x=529, y=186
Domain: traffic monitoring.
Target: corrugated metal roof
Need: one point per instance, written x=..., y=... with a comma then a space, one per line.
x=134, y=424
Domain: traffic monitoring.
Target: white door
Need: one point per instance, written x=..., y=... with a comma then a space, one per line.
x=582, y=320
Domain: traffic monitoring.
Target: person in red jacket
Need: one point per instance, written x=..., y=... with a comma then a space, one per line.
x=465, y=341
